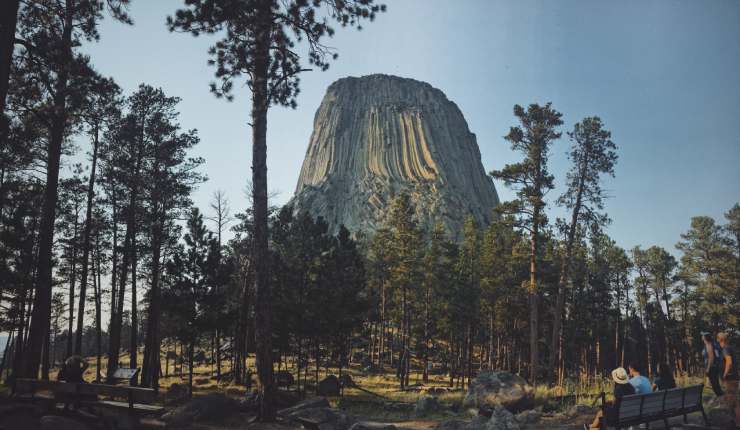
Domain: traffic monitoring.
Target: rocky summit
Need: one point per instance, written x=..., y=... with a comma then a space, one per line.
x=378, y=135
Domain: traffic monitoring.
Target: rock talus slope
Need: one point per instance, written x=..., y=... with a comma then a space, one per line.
x=378, y=135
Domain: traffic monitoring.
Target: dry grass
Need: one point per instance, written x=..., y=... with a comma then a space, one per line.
x=377, y=396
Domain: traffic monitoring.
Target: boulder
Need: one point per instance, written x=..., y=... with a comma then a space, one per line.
x=576, y=410
x=722, y=418
x=452, y=425
x=427, y=405
x=176, y=393
x=316, y=402
x=492, y=388
x=54, y=422
x=20, y=416
x=212, y=407
x=366, y=425
x=329, y=386
x=528, y=417
x=286, y=399
x=328, y=418
x=501, y=419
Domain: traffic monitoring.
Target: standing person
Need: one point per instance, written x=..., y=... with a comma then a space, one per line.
x=712, y=358
x=642, y=384
x=730, y=375
x=73, y=370
x=664, y=380
x=622, y=387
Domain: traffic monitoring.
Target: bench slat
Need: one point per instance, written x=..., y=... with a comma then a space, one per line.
x=643, y=408
x=136, y=394
x=124, y=405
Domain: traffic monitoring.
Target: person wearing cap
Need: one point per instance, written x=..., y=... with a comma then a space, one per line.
x=622, y=387
x=712, y=359
x=730, y=375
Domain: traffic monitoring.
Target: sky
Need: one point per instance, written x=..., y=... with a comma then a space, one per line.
x=664, y=76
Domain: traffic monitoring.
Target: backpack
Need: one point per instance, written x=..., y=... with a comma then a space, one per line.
x=718, y=357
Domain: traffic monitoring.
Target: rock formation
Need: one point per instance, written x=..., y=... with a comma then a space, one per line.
x=378, y=135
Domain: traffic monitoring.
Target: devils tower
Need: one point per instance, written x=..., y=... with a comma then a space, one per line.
x=378, y=135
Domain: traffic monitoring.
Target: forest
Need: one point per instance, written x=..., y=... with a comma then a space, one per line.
x=103, y=253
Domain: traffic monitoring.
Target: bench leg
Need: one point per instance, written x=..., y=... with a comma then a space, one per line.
x=706, y=421
x=665, y=423
x=685, y=420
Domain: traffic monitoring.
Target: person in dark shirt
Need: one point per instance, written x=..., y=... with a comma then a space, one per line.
x=730, y=375
x=622, y=387
x=664, y=380
x=73, y=369
x=712, y=357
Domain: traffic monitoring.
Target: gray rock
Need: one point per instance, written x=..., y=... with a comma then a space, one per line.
x=452, y=425
x=328, y=418
x=478, y=422
x=576, y=410
x=376, y=135
x=427, y=405
x=501, y=419
x=367, y=425
x=528, y=417
x=316, y=402
x=212, y=407
x=492, y=388
x=176, y=393
x=722, y=418
x=53, y=422
x=329, y=386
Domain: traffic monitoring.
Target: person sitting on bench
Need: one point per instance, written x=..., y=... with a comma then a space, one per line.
x=642, y=384
x=622, y=387
x=664, y=380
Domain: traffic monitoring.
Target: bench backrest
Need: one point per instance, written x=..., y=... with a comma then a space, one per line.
x=132, y=394
x=659, y=403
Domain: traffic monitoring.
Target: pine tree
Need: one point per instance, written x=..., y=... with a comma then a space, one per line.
x=51, y=31
x=258, y=42
x=593, y=155
x=103, y=107
x=531, y=180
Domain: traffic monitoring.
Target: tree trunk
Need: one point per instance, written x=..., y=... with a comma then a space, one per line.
x=134, y=341
x=72, y=282
x=150, y=376
x=533, y=302
x=565, y=270
x=8, y=20
x=260, y=104
x=86, y=241
x=98, y=311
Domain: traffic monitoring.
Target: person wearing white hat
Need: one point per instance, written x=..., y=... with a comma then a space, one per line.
x=622, y=387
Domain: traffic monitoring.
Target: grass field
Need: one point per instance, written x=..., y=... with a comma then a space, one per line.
x=377, y=396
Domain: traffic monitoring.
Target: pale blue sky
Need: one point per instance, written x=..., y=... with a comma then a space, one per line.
x=664, y=76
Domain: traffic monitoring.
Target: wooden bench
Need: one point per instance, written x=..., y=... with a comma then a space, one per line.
x=658, y=406
x=137, y=400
